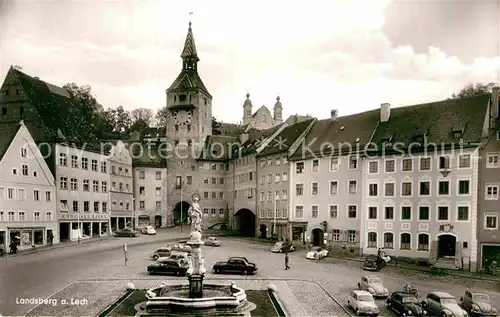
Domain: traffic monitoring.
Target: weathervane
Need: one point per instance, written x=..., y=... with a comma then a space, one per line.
x=190, y=14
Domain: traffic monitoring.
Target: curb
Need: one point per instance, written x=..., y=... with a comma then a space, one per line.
x=57, y=246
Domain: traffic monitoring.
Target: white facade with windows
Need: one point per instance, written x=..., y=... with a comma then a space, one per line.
x=423, y=206
x=27, y=193
x=150, y=196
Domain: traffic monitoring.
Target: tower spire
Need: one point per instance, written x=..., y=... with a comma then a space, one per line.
x=189, y=54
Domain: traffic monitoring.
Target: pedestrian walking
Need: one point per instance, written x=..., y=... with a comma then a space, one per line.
x=287, y=267
x=51, y=238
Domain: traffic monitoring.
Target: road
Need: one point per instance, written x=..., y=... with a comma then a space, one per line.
x=41, y=275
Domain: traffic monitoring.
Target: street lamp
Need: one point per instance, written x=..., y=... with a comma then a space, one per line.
x=274, y=216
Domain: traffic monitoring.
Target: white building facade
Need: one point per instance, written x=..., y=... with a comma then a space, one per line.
x=150, y=196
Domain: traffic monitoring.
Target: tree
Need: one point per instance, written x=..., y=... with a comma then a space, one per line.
x=216, y=126
x=88, y=105
x=138, y=126
x=143, y=114
x=161, y=117
x=471, y=90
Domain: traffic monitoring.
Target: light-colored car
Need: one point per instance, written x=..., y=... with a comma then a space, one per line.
x=181, y=257
x=148, y=230
x=212, y=241
x=316, y=251
x=442, y=304
x=478, y=304
x=362, y=303
x=373, y=285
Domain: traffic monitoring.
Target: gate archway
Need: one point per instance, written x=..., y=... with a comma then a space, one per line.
x=181, y=212
x=245, y=222
x=447, y=245
x=317, y=237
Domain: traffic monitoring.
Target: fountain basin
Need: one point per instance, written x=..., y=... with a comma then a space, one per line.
x=214, y=295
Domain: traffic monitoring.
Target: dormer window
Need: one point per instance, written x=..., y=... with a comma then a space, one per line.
x=182, y=98
x=419, y=138
x=457, y=134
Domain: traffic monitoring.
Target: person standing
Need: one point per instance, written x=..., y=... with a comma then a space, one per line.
x=287, y=267
x=51, y=238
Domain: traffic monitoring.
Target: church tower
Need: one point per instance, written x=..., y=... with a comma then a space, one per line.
x=247, y=110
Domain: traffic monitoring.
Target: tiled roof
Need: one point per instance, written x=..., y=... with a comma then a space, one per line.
x=59, y=119
x=255, y=138
x=190, y=46
x=285, y=138
x=188, y=79
x=437, y=121
x=230, y=129
x=7, y=132
x=218, y=148
x=326, y=136
x=155, y=157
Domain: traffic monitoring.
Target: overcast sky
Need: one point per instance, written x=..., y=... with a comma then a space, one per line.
x=349, y=55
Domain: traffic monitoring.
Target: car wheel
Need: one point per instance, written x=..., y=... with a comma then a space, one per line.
x=442, y=315
x=389, y=303
x=155, y=257
x=281, y=250
x=359, y=286
x=357, y=312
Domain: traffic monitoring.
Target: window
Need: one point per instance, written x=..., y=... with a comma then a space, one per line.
x=425, y=163
x=96, y=206
x=406, y=213
x=334, y=164
x=423, y=242
x=37, y=216
x=352, y=187
x=444, y=162
x=443, y=213
x=405, y=241
x=315, y=166
x=24, y=152
x=142, y=205
x=158, y=191
x=22, y=216
x=94, y=165
x=491, y=221
x=214, y=180
x=353, y=162
x=299, y=211
x=285, y=176
x=277, y=178
x=373, y=167
x=491, y=192
x=406, y=189
x=75, y=206
x=423, y=213
x=444, y=188
x=390, y=166
x=95, y=186
x=158, y=205
x=336, y=235
x=372, y=213
x=407, y=165
x=388, y=240
x=14, y=171
x=86, y=206
x=86, y=185
x=351, y=236
x=389, y=189
x=48, y=216
x=352, y=211
x=314, y=188
x=463, y=187
x=222, y=180
x=25, y=170
x=104, y=206
x=11, y=193
x=373, y=190
x=464, y=161
x=299, y=168
x=463, y=213
x=262, y=196
x=48, y=196
x=21, y=194
x=142, y=175
x=63, y=182
x=104, y=168
x=389, y=213
x=314, y=212
x=372, y=240
x=425, y=188
x=178, y=182
x=333, y=211
x=299, y=189
x=269, y=178
x=213, y=195
x=104, y=187
x=333, y=188
x=85, y=163
x=12, y=216
x=493, y=160
x=63, y=160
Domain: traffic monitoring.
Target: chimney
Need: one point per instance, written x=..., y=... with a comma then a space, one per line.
x=385, y=112
x=495, y=96
x=21, y=122
x=334, y=114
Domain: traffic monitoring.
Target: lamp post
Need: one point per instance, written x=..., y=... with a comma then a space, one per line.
x=181, y=206
x=274, y=216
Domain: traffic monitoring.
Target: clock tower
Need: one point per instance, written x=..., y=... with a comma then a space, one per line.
x=189, y=122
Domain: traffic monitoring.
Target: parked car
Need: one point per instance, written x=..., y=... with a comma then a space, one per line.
x=212, y=241
x=371, y=263
x=478, y=304
x=180, y=257
x=282, y=246
x=167, y=266
x=179, y=248
x=317, y=251
x=373, y=285
x=235, y=265
x=404, y=304
x=362, y=303
x=442, y=304
x=148, y=230
x=161, y=253
x=125, y=232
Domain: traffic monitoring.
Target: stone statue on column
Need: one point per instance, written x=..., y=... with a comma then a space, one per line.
x=195, y=215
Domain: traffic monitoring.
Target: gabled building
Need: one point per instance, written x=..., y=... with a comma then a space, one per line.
x=121, y=191
x=27, y=191
x=262, y=118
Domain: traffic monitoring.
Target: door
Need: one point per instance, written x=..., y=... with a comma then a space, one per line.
x=158, y=221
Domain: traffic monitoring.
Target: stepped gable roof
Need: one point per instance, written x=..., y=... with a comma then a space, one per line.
x=437, y=121
x=218, y=148
x=255, y=138
x=62, y=120
x=148, y=154
x=347, y=134
x=8, y=132
x=284, y=140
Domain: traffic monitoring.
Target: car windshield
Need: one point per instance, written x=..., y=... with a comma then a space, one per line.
x=365, y=298
x=410, y=300
x=448, y=301
x=482, y=298
x=374, y=281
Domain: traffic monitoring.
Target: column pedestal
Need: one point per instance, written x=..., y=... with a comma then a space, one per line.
x=195, y=286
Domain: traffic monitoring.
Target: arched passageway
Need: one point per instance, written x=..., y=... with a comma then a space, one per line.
x=245, y=222
x=317, y=237
x=181, y=212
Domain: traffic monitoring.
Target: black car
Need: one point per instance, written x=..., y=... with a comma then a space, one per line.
x=126, y=232
x=282, y=246
x=235, y=265
x=404, y=304
x=371, y=263
x=167, y=266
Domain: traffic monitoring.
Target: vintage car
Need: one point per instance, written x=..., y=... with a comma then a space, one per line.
x=362, y=303
x=167, y=266
x=150, y=230
x=442, y=304
x=235, y=265
x=282, y=246
x=212, y=242
x=161, y=253
x=179, y=248
x=316, y=252
x=371, y=263
x=125, y=232
x=373, y=285
x=478, y=304
x=180, y=257
x=404, y=304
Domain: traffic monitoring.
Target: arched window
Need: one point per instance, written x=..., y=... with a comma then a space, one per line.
x=388, y=240
x=372, y=239
x=423, y=242
x=405, y=241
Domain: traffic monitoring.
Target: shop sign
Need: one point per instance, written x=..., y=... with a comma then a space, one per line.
x=84, y=216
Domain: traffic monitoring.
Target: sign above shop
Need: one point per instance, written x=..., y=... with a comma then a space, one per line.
x=84, y=216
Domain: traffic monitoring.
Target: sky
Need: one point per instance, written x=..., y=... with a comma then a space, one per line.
x=349, y=55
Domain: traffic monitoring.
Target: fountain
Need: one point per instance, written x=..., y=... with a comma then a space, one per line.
x=196, y=295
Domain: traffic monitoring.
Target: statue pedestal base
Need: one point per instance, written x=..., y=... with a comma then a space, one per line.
x=195, y=286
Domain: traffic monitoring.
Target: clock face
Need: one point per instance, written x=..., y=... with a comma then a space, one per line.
x=182, y=117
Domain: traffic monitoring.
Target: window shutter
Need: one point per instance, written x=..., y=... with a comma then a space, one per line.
x=343, y=235
x=357, y=236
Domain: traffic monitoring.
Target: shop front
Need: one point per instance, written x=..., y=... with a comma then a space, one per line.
x=122, y=219
x=29, y=237
x=143, y=221
x=83, y=225
x=298, y=232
